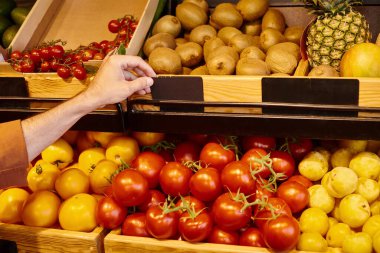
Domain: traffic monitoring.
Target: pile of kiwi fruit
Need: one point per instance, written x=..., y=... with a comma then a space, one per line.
x=246, y=38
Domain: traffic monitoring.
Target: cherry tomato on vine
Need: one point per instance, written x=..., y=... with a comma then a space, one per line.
x=228, y=213
x=88, y=54
x=221, y=236
x=187, y=152
x=109, y=214
x=252, y=237
x=295, y=195
x=63, y=72
x=160, y=225
x=155, y=198
x=264, y=190
x=149, y=164
x=80, y=73
x=205, y=184
x=255, y=157
x=195, y=229
x=16, y=55
x=193, y=202
x=135, y=225
x=114, y=26
x=45, y=66
x=263, y=214
x=281, y=233
x=236, y=176
x=174, y=179
x=45, y=53
x=216, y=156
x=35, y=56
x=27, y=66
x=57, y=51
x=266, y=143
x=283, y=162
x=300, y=148
x=99, y=56
x=54, y=64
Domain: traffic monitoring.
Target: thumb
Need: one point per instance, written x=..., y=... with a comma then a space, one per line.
x=140, y=84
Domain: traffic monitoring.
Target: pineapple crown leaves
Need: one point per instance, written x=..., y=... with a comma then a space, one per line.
x=320, y=7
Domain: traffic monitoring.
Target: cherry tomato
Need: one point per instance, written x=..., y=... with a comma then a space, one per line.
x=221, y=236
x=160, y=225
x=295, y=195
x=205, y=184
x=236, y=176
x=135, y=225
x=114, y=26
x=27, y=66
x=35, y=56
x=228, y=213
x=94, y=45
x=174, y=179
x=80, y=73
x=252, y=237
x=200, y=139
x=63, y=72
x=300, y=148
x=104, y=44
x=263, y=214
x=57, y=51
x=16, y=55
x=216, y=156
x=263, y=189
x=251, y=157
x=45, y=53
x=54, y=64
x=149, y=164
x=155, y=197
x=133, y=26
x=266, y=143
x=301, y=180
x=281, y=233
x=187, y=151
x=195, y=229
x=25, y=54
x=45, y=66
x=282, y=162
x=109, y=214
x=130, y=188
x=193, y=202
x=88, y=54
x=17, y=67
x=99, y=56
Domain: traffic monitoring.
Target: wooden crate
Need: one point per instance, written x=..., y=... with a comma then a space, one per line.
x=49, y=240
x=116, y=243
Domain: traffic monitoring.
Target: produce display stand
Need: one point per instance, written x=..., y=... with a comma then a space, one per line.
x=48, y=240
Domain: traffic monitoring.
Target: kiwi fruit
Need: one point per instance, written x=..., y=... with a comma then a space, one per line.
x=252, y=28
x=226, y=33
x=223, y=50
x=252, y=52
x=202, y=33
x=270, y=37
x=211, y=44
x=221, y=64
x=186, y=71
x=191, y=54
x=289, y=47
x=165, y=60
x=225, y=14
x=324, y=70
x=159, y=40
x=179, y=41
x=201, y=3
x=252, y=9
x=241, y=41
x=294, y=34
x=201, y=70
x=280, y=61
x=167, y=24
x=190, y=15
x=255, y=67
x=273, y=19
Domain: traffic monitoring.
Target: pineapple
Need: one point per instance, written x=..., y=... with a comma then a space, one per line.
x=336, y=29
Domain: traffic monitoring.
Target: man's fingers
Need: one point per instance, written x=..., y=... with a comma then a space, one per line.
x=141, y=83
x=134, y=62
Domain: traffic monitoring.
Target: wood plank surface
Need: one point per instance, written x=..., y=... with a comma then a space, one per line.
x=49, y=240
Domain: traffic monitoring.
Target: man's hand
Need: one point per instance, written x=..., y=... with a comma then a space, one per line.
x=119, y=77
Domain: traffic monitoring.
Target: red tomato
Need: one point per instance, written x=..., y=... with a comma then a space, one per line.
x=228, y=213
x=130, y=188
x=282, y=162
x=63, y=72
x=16, y=55
x=200, y=139
x=57, y=51
x=282, y=233
x=301, y=180
x=251, y=157
x=155, y=198
x=99, y=56
x=174, y=179
x=114, y=26
x=236, y=176
x=45, y=53
x=215, y=155
x=221, y=236
x=295, y=195
x=193, y=202
x=80, y=73
x=195, y=229
x=135, y=225
x=205, y=184
x=160, y=225
x=45, y=66
x=267, y=143
x=108, y=191
x=262, y=192
x=109, y=214
x=262, y=215
x=35, y=56
x=27, y=66
x=187, y=151
x=149, y=164
x=300, y=148
x=252, y=237
x=54, y=64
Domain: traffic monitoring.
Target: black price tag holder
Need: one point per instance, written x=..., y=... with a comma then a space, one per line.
x=14, y=87
x=318, y=91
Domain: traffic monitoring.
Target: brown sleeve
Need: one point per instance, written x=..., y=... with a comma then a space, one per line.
x=13, y=155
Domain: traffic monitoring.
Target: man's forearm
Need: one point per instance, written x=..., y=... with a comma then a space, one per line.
x=43, y=129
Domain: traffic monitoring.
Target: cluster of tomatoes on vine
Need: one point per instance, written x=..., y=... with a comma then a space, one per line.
x=52, y=57
x=204, y=191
